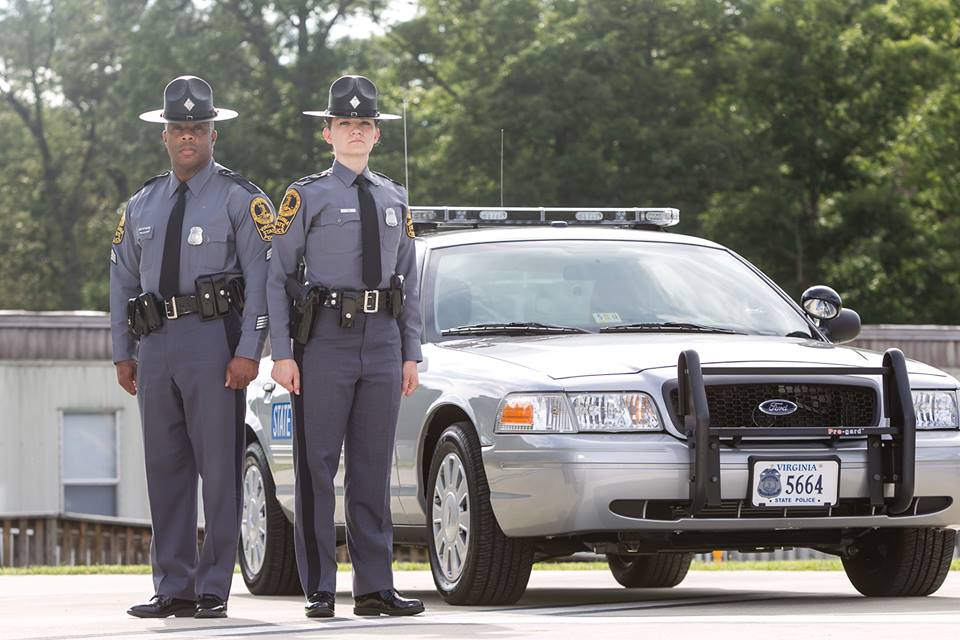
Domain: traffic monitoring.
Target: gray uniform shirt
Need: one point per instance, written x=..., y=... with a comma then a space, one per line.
x=319, y=220
x=226, y=230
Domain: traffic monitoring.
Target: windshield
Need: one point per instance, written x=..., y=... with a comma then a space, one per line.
x=598, y=285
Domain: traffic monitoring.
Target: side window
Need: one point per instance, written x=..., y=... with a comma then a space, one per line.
x=89, y=464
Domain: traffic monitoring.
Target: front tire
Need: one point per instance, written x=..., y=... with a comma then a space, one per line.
x=900, y=562
x=267, y=557
x=472, y=561
x=660, y=570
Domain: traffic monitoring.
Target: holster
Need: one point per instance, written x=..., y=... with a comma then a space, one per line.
x=213, y=297
x=144, y=314
x=304, y=299
x=396, y=294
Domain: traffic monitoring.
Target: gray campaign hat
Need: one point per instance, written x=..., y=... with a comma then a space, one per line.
x=352, y=97
x=188, y=99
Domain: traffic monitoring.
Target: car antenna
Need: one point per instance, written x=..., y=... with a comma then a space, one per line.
x=501, y=167
x=406, y=165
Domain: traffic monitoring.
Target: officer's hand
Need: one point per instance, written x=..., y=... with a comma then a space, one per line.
x=240, y=371
x=411, y=379
x=127, y=376
x=287, y=374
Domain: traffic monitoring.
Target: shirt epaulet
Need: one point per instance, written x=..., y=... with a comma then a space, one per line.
x=396, y=182
x=150, y=181
x=240, y=180
x=312, y=178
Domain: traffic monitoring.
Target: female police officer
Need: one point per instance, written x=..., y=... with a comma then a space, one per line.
x=351, y=226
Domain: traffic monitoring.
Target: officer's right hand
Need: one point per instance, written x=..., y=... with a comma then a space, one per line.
x=127, y=376
x=287, y=374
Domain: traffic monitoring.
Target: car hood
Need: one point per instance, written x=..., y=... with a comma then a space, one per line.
x=570, y=356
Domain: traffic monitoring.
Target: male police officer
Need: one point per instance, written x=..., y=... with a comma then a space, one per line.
x=352, y=228
x=182, y=244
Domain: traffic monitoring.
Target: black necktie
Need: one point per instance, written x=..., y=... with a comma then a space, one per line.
x=170, y=267
x=369, y=234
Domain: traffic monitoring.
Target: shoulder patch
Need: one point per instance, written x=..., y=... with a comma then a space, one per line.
x=409, y=224
x=118, y=234
x=240, y=180
x=289, y=207
x=313, y=177
x=382, y=175
x=262, y=216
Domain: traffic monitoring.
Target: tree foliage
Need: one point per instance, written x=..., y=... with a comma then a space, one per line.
x=818, y=139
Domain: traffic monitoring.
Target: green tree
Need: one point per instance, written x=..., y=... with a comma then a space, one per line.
x=822, y=90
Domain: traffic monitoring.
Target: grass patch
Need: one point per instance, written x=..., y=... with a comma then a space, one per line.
x=832, y=564
x=99, y=569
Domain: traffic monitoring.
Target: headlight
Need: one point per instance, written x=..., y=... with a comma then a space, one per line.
x=935, y=409
x=591, y=412
x=615, y=412
x=534, y=413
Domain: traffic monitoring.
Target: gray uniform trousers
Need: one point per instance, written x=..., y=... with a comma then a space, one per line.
x=192, y=425
x=350, y=398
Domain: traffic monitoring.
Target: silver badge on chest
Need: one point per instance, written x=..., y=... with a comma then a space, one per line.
x=196, y=236
x=390, y=217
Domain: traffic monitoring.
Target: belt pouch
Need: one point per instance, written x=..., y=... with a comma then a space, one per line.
x=396, y=295
x=348, y=311
x=236, y=291
x=149, y=311
x=206, y=298
x=222, y=299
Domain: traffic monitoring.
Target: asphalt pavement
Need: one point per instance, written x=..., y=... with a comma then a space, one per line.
x=718, y=605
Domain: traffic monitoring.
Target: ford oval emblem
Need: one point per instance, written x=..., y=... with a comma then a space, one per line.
x=777, y=407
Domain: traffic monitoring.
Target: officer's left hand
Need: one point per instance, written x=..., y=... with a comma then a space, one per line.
x=411, y=379
x=240, y=372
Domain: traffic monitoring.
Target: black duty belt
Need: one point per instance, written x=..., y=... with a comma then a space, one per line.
x=368, y=300
x=178, y=306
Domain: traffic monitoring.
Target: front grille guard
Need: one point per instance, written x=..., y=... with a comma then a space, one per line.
x=888, y=461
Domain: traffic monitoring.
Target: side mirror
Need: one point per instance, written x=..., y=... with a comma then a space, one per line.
x=842, y=328
x=821, y=302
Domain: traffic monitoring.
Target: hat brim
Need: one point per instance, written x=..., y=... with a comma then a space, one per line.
x=327, y=114
x=157, y=116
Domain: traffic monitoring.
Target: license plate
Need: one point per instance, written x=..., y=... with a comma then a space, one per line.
x=794, y=483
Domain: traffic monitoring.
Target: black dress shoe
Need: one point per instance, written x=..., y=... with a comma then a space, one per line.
x=210, y=606
x=387, y=602
x=164, y=607
x=319, y=605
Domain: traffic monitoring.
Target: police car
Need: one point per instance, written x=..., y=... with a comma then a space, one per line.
x=593, y=383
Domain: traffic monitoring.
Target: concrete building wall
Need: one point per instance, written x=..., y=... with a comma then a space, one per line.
x=33, y=397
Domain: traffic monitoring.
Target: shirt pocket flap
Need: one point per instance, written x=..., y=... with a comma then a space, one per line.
x=339, y=217
x=215, y=234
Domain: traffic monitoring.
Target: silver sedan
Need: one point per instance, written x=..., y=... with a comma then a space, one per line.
x=644, y=395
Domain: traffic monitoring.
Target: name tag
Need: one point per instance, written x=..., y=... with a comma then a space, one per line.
x=348, y=210
x=145, y=232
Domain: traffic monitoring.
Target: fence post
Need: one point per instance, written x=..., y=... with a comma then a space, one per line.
x=7, y=560
x=23, y=549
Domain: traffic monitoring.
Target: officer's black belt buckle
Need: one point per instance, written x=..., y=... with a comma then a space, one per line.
x=371, y=301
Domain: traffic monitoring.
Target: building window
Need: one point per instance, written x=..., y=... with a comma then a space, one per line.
x=90, y=474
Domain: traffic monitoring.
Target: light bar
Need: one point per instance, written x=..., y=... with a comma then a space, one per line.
x=658, y=216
